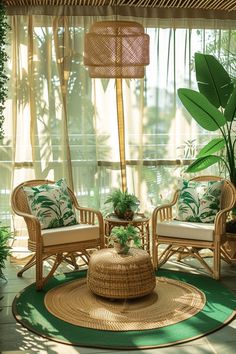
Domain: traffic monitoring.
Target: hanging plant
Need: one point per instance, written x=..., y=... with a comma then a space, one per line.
x=4, y=27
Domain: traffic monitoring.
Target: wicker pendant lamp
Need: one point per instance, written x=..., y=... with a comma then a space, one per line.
x=116, y=49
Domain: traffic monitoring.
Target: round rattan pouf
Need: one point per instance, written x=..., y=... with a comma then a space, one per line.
x=118, y=276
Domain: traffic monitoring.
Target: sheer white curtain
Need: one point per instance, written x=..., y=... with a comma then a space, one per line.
x=60, y=123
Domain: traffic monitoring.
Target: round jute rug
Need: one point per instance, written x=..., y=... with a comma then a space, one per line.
x=171, y=301
x=29, y=309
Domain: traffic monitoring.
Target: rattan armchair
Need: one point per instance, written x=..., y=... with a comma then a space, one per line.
x=172, y=237
x=63, y=243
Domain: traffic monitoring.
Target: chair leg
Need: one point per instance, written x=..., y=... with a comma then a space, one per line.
x=71, y=259
x=40, y=279
x=225, y=255
x=154, y=255
x=216, y=261
x=39, y=270
x=28, y=265
x=183, y=253
x=194, y=252
x=165, y=255
x=85, y=257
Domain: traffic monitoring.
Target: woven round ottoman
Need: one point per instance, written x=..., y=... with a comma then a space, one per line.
x=118, y=276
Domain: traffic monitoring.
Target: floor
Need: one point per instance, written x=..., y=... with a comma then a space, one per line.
x=16, y=339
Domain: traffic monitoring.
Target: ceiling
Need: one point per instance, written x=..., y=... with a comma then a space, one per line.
x=219, y=5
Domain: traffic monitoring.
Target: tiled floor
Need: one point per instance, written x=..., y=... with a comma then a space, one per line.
x=16, y=339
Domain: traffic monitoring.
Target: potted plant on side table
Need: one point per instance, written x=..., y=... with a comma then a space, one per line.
x=124, y=204
x=122, y=238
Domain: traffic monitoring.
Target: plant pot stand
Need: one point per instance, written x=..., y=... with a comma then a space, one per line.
x=139, y=221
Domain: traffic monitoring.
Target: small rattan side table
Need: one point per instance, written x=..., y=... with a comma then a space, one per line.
x=117, y=276
x=139, y=221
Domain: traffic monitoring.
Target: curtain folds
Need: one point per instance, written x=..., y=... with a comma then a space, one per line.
x=63, y=46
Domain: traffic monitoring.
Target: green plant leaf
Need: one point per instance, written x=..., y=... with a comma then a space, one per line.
x=212, y=147
x=123, y=234
x=4, y=28
x=5, y=248
x=122, y=201
x=202, y=163
x=213, y=80
x=216, y=90
x=230, y=109
x=206, y=115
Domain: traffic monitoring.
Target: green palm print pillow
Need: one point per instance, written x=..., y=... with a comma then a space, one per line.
x=199, y=201
x=51, y=204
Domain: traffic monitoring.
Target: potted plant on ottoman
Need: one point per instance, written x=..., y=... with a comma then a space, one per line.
x=122, y=238
x=124, y=204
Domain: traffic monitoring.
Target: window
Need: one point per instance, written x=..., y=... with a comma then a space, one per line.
x=60, y=123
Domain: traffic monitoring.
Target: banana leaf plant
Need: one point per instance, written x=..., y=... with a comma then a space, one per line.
x=214, y=109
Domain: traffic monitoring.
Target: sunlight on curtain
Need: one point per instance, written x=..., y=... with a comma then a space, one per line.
x=60, y=123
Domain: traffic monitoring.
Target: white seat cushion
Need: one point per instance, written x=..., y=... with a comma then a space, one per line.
x=184, y=229
x=70, y=234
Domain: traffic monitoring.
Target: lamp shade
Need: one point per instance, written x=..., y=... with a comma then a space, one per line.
x=116, y=49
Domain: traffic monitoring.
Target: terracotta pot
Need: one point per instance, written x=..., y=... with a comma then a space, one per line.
x=127, y=215
x=120, y=249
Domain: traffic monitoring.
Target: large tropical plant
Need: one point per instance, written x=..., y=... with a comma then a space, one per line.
x=214, y=109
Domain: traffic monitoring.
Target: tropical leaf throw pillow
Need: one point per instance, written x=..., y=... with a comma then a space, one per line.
x=51, y=204
x=199, y=201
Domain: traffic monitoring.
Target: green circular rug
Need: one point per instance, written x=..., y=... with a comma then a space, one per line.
x=28, y=309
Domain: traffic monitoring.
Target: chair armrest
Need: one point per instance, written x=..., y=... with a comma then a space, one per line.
x=26, y=215
x=220, y=220
x=33, y=225
x=164, y=212
x=90, y=216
